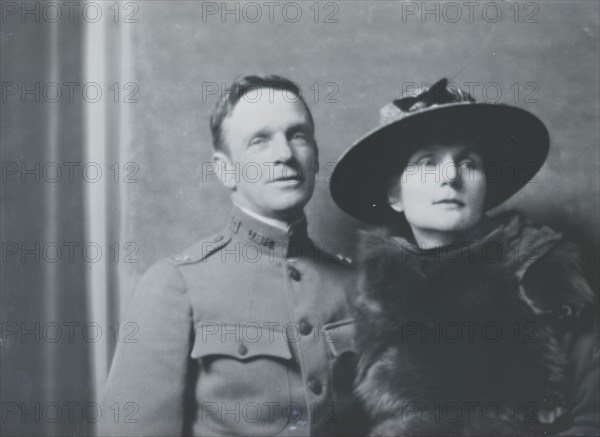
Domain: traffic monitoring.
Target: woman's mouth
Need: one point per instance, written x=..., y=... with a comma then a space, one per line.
x=449, y=202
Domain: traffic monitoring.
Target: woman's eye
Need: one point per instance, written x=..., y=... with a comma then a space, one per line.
x=427, y=162
x=469, y=164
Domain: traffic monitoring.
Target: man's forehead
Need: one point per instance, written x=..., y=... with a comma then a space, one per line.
x=275, y=103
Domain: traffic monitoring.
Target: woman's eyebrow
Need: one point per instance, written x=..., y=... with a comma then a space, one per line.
x=420, y=155
x=470, y=153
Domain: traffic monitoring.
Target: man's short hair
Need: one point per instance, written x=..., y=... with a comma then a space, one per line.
x=239, y=88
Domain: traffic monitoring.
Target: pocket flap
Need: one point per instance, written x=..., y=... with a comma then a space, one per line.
x=340, y=336
x=234, y=340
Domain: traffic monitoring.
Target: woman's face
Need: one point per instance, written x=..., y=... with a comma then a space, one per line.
x=441, y=190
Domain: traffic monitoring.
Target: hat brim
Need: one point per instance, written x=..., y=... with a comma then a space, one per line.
x=513, y=142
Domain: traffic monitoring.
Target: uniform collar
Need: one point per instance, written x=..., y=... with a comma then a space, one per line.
x=279, y=224
x=265, y=232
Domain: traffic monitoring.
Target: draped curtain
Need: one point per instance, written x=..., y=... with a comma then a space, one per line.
x=63, y=200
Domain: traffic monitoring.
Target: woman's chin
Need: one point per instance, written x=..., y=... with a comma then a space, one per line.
x=452, y=224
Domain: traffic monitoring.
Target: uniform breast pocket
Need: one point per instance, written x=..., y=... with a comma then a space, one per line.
x=340, y=339
x=243, y=384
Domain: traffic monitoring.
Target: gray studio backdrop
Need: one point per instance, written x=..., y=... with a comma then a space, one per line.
x=171, y=61
x=353, y=60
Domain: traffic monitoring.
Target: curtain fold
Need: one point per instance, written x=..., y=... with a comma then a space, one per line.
x=60, y=225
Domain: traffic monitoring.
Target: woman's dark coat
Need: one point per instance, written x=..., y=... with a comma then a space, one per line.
x=484, y=339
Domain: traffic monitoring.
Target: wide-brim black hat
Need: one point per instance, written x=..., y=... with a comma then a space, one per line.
x=513, y=143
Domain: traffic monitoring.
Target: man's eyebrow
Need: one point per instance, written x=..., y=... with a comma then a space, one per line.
x=264, y=132
x=303, y=126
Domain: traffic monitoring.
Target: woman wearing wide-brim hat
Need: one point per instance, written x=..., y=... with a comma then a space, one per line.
x=466, y=324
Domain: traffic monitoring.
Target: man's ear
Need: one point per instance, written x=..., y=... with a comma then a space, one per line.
x=394, y=197
x=225, y=169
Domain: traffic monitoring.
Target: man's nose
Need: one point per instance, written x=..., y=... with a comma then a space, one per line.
x=282, y=152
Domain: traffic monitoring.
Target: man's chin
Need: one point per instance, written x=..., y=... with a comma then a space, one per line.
x=288, y=198
x=290, y=209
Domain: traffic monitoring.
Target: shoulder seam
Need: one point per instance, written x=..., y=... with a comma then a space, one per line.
x=209, y=246
x=181, y=279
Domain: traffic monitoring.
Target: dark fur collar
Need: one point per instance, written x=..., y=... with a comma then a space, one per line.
x=502, y=279
x=509, y=242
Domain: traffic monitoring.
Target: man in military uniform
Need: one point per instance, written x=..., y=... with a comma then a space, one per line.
x=242, y=332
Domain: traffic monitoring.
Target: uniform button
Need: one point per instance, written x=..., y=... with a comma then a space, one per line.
x=294, y=273
x=294, y=414
x=305, y=327
x=315, y=386
x=242, y=350
x=218, y=238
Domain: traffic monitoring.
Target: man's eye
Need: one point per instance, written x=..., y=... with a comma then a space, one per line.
x=257, y=141
x=299, y=136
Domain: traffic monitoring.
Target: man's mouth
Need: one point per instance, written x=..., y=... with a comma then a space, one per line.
x=288, y=178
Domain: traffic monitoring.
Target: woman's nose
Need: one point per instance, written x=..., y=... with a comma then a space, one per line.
x=450, y=172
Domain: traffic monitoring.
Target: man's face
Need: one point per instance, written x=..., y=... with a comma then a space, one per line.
x=442, y=189
x=270, y=154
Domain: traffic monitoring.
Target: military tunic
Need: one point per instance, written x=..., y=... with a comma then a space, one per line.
x=237, y=335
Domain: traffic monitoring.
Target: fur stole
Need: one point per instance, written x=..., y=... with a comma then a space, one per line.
x=466, y=340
